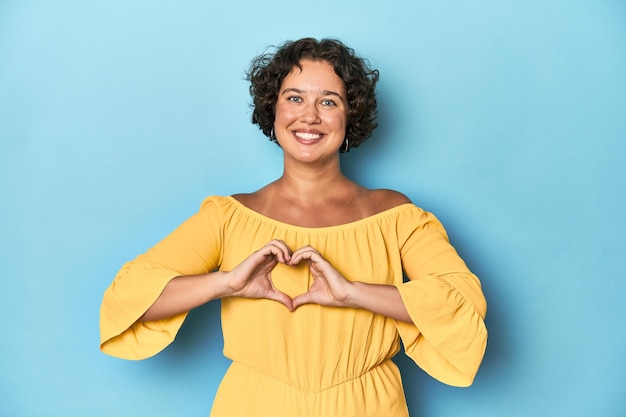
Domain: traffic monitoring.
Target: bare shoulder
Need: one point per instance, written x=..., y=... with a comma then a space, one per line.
x=243, y=197
x=263, y=200
x=254, y=201
x=384, y=199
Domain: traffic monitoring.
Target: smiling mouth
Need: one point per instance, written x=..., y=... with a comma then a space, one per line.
x=308, y=137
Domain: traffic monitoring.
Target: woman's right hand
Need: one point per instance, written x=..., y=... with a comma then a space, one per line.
x=252, y=278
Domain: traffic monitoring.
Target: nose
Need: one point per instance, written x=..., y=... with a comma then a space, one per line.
x=310, y=113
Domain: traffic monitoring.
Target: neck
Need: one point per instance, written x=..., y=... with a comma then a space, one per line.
x=307, y=184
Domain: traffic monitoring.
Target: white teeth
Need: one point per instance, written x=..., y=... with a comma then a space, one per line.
x=308, y=136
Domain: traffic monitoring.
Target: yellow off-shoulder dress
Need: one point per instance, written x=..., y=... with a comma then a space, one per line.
x=316, y=361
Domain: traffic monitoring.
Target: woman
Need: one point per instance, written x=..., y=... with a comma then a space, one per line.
x=309, y=269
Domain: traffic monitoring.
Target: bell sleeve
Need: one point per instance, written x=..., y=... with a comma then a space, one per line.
x=444, y=300
x=195, y=247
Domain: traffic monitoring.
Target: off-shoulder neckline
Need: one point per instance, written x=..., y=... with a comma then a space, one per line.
x=354, y=223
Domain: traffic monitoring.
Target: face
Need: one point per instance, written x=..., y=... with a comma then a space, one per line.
x=311, y=112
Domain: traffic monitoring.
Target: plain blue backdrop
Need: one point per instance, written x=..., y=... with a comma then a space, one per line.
x=507, y=119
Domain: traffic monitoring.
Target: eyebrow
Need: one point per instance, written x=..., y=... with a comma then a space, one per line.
x=324, y=92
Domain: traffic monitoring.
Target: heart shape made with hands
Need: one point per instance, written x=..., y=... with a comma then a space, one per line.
x=329, y=287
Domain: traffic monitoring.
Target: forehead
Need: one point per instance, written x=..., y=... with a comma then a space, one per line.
x=314, y=75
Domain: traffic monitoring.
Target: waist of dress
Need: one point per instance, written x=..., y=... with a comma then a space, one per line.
x=387, y=369
x=246, y=392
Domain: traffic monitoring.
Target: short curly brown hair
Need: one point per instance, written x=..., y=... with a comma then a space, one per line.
x=268, y=70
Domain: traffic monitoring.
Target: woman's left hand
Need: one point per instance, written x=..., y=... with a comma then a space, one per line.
x=329, y=287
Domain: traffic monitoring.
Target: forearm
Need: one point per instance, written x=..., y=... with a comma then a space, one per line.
x=380, y=299
x=184, y=293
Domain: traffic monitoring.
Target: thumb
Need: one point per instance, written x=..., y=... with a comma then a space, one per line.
x=282, y=298
x=302, y=299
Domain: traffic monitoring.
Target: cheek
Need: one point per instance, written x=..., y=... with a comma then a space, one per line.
x=283, y=114
x=338, y=122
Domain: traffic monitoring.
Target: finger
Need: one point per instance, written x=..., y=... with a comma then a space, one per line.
x=279, y=249
x=306, y=248
x=281, y=254
x=306, y=254
x=279, y=243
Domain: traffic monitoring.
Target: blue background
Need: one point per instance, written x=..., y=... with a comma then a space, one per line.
x=505, y=118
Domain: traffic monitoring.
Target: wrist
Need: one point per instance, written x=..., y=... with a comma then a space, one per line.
x=354, y=295
x=219, y=282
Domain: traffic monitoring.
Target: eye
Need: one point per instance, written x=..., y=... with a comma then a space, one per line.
x=295, y=99
x=328, y=102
